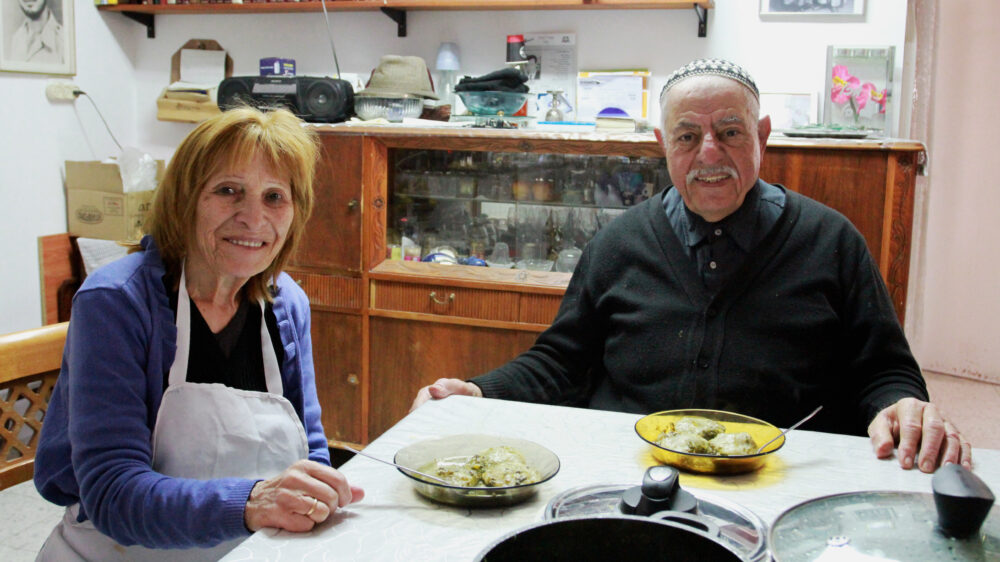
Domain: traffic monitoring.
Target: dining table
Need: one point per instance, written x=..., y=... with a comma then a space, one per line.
x=595, y=447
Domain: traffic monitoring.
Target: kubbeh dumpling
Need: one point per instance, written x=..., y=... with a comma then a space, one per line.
x=730, y=444
x=684, y=442
x=703, y=427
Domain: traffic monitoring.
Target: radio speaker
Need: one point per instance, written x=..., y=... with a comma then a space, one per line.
x=314, y=99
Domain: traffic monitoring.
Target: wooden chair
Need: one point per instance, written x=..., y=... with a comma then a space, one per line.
x=29, y=365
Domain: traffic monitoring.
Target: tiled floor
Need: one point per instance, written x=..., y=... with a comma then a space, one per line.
x=25, y=522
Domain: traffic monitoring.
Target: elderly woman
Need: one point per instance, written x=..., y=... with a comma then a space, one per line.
x=185, y=415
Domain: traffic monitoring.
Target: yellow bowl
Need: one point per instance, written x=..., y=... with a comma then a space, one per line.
x=652, y=426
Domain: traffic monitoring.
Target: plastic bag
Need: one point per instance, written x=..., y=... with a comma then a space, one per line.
x=138, y=170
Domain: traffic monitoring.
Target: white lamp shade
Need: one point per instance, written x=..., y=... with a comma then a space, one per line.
x=447, y=58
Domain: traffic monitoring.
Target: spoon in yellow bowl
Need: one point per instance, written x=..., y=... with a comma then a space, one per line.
x=798, y=423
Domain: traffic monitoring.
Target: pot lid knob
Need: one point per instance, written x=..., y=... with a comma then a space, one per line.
x=962, y=500
x=660, y=491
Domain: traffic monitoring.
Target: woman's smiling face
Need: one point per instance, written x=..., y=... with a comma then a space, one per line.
x=241, y=222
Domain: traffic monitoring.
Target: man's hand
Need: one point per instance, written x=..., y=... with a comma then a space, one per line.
x=443, y=388
x=913, y=425
x=305, y=494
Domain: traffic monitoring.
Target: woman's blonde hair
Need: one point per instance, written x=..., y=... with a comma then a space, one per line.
x=231, y=140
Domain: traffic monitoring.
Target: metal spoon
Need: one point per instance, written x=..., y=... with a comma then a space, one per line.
x=425, y=475
x=800, y=422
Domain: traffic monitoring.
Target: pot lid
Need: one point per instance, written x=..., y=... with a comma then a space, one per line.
x=738, y=527
x=876, y=526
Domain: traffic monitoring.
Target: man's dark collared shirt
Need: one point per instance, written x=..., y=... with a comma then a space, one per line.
x=720, y=248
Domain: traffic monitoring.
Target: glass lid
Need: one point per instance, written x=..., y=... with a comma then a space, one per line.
x=738, y=526
x=876, y=526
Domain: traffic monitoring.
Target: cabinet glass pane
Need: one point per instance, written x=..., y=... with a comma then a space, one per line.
x=510, y=209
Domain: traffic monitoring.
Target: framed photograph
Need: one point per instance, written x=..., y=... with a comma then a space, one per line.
x=37, y=36
x=789, y=110
x=830, y=10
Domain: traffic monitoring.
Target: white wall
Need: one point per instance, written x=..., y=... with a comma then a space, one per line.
x=37, y=136
x=960, y=303
x=125, y=72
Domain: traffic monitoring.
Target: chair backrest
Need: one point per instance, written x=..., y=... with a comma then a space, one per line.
x=29, y=366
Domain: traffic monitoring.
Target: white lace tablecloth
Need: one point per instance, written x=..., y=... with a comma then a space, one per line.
x=594, y=447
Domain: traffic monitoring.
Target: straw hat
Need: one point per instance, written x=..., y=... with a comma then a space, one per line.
x=397, y=75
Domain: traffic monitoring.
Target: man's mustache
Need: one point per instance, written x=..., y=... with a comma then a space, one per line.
x=714, y=171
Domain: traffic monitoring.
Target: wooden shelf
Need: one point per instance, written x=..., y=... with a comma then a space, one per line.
x=368, y=5
x=396, y=9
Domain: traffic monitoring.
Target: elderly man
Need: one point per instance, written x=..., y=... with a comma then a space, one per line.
x=727, y=292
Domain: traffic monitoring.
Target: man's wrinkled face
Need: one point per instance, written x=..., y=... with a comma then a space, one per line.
x=713, y=141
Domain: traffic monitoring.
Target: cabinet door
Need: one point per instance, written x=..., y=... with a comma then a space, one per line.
x=333, y=234
x=336, y=340
x=406, y=355
x=850, y=181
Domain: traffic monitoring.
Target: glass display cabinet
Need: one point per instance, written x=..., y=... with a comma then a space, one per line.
x=399, y=210
x=509, y=209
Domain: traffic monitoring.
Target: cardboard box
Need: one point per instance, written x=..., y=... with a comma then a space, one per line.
x=190, y=106
x=97, y=206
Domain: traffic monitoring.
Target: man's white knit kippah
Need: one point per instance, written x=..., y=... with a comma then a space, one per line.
x=711, y=67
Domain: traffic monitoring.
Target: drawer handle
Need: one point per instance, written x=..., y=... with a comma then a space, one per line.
x=451, y=298
x=352, y=204
x=352, y=379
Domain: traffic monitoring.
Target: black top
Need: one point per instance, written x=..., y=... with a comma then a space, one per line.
x=720, y=248
x=806, y=320
x=232, y=357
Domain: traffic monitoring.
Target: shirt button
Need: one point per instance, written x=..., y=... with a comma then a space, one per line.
x=703, y=364
x=712, y=265
x=718, y=232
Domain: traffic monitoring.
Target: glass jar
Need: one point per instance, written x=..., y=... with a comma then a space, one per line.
x=465, y=184
x=479, y=239
x=628, y=178
x=542, y=187
x=524, y=178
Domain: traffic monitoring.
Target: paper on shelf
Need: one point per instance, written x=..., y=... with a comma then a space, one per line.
x=555, y=69
x=624, y=89
x=200, y=69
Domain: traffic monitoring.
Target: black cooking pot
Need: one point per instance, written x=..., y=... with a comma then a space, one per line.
x=662, y=536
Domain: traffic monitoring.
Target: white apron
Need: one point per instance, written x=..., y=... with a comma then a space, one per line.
x=203, y=431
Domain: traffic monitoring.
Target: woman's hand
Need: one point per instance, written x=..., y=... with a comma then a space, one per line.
x=305, y=494
x=443, y=388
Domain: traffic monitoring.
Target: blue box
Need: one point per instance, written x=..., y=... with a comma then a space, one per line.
x=274, y=66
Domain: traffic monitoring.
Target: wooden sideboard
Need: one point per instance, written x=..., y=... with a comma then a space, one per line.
x=382, y=329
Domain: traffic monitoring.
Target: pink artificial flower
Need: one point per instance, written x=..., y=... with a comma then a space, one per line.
x=863, y=94
x=877, y=97
x=844, y=84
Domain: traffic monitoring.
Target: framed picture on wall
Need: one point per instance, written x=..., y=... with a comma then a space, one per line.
x=832, y=10
x=37, y=36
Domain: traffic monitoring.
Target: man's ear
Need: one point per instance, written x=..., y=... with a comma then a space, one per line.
x=764, y=130
x=659, y=139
